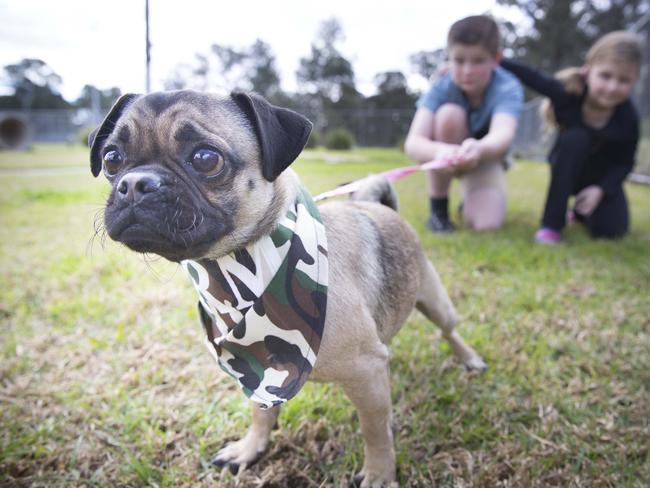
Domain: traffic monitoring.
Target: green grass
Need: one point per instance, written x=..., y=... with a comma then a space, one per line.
x=46, y=156
x=105, y=379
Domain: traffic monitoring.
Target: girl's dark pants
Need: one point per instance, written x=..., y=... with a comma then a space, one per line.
x=572, y=163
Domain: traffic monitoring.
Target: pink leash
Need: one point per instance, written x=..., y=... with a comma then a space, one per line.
x=391, y=175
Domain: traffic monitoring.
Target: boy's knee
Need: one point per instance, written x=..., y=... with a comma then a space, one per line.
x=451, y=123
x=485, y=223
x=451, y=112
x=485, y=213
x=484, y=198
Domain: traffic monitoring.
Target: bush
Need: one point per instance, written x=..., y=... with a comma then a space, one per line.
x=400, y=143
x=314, y=139
x=82, y=135
x=339, y=139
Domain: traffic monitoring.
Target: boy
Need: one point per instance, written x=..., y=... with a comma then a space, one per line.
x=468, y=117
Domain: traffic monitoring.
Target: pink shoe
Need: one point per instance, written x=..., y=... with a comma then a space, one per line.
x=548, y=236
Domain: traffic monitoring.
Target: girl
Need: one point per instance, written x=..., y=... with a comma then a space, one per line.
x=598, y=132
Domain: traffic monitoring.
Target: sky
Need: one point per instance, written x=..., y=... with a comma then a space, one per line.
x=103, y=43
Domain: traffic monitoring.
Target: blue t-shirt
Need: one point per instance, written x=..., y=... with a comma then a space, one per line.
x=504, y=94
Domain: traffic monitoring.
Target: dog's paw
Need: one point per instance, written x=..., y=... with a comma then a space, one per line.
x=475, y=363
x=364, y=481
x=238, y=455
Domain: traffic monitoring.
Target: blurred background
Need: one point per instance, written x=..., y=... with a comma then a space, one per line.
x=355, y=70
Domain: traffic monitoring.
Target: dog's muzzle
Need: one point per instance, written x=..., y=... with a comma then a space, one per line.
x=135, y=186
x=155, y=213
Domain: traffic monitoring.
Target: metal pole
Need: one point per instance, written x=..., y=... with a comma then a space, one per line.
x=642, y=90
x=148, y=49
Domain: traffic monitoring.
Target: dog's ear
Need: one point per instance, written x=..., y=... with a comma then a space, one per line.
x=101, y=133
x=282, y=133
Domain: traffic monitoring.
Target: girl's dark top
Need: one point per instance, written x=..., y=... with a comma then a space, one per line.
x=613, y=146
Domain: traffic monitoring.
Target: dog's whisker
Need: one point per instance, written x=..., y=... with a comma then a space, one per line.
x=99, y=231
x=148, y=259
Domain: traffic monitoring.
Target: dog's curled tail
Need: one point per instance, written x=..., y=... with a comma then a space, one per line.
x=376, y=188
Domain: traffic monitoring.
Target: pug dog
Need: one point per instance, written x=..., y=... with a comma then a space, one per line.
x=201, y=178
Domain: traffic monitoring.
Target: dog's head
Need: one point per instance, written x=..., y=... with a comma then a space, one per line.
x=194, y=174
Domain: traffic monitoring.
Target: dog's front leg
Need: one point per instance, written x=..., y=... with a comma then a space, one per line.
x=369, y=390
x=239, y=454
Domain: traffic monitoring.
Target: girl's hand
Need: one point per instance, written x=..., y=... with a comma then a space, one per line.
x=441, y=70
x=588, y=199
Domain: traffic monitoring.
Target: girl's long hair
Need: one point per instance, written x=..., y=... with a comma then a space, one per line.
x=617, y=46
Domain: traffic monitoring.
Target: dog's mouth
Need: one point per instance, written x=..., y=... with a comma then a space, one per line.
x=174, y=234
x=153, y=210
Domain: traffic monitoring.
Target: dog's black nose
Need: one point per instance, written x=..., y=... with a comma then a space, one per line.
x=133, y=186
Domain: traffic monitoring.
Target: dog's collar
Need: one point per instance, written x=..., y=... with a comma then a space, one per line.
x=263, y=307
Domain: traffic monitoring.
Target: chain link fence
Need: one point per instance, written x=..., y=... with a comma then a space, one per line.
x=370, y=128
x=20, y=128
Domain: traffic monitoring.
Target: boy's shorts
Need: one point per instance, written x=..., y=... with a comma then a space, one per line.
x=480, y=134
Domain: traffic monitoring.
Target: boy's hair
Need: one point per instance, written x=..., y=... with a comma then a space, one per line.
x=476, y=30
x=615, y=47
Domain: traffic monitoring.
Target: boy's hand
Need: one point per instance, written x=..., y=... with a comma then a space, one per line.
x=588, y=199
x=450, y=153
x=469, y=155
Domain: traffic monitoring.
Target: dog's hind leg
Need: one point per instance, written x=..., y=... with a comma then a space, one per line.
x=238, y=455
x=435, y=304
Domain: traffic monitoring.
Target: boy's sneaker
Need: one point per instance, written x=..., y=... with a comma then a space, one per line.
x=548, y=236
x=440, y=225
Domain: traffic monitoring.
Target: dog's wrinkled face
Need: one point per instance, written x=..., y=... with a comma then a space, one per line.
x=193, y=174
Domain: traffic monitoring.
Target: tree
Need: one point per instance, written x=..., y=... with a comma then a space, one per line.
x=229, y=68
x=392, y=92
x=96, y=99
x=616, y=15
x=326, y=73
x=262, y=73
x=35, y=85
x=561, y=31
x=557, y=37
x=426, y=63
x=184, y=76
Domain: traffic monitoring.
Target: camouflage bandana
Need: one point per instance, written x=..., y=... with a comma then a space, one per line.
x=263, y=307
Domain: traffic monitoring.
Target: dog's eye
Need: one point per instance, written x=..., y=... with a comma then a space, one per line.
x=208, y=162
x=112, y=161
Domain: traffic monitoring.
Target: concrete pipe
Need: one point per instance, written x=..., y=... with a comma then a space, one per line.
x=14, y=132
